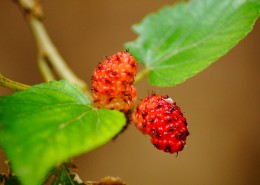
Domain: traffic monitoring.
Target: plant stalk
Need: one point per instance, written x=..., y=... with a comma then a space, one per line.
x=45, y=70
x=47, y=50
x=141, y=74
x=10, y=84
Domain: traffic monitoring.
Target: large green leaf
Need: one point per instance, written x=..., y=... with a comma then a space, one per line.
x=49, y=123
x=179, y=41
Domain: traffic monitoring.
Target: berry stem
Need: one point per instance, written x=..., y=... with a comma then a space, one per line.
x=141, y=74
x=8, y=83
x=46, y=49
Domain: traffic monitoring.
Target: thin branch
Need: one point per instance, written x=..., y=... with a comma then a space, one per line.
x=106, y=181
x=10, y=84
x=45, y=70
x=46, y=48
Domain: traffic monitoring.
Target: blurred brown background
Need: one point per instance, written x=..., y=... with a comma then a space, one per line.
x=222, y=103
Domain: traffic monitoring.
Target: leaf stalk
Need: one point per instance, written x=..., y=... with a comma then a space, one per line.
x=10, y=84
x=141, y=74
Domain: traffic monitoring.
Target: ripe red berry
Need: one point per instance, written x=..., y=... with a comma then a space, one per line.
x=112, y=83
x=160, y=117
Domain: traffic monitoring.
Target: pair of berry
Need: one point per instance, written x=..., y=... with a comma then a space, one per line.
x=155, y=115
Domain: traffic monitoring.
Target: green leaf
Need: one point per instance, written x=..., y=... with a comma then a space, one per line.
x=65, y=177
x=50, y=123
x=180, y=41
x=9, y=180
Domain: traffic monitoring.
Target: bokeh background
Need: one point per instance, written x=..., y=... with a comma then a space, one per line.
x=221, y=103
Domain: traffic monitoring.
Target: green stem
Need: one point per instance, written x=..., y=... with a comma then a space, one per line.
x=45, y=70
x=8, y=83
x=141, y=74
x=27, y=4
x=48, y=50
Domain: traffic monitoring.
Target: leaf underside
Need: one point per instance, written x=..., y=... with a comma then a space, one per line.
x=50, y=123
x=179, y=41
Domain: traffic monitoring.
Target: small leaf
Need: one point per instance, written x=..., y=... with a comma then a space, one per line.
x=64, y=176
x=50, y=123
x=9, y=180
x=180, y=41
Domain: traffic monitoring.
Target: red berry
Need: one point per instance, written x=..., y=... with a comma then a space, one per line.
x=112, y=83
x=160, y=117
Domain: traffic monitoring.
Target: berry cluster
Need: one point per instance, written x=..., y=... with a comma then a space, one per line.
x=160, y=117
x=112, y=82
x=157, y=116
